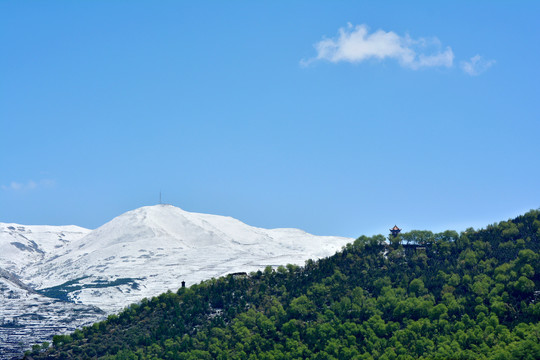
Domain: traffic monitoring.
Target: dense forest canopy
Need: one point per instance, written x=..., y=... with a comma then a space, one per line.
x=420, y=295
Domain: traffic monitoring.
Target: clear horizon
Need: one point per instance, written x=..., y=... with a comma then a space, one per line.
x=336, y=118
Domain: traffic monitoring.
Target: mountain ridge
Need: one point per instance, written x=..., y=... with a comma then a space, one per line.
x=22, y=244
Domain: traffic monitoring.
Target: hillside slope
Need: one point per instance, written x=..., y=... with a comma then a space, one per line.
x=419, y=296
x=27, y=317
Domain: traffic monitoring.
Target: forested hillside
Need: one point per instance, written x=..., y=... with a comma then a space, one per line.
x=473, y=295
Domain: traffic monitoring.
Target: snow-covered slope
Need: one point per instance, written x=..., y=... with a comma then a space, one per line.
x=150, y=250
x=22, y=246
x=27, y=317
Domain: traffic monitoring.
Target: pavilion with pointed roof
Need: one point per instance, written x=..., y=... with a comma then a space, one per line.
x=395, y=231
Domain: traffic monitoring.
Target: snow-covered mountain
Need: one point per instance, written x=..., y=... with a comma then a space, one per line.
x=141, y=253
x=152, y=249
x=22, y=246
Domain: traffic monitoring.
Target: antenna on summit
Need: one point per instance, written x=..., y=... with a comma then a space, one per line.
x=160, y=197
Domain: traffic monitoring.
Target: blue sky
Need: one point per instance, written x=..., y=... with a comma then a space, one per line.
x=340, y=118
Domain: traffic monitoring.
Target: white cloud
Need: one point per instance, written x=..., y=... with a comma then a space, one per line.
x=476, y=65
x=29, y=185
x=13, y=186
x=355, y=44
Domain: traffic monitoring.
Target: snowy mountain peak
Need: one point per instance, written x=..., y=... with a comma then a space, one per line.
x=167, y=226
